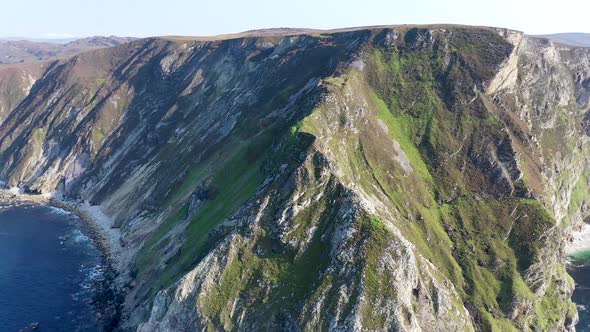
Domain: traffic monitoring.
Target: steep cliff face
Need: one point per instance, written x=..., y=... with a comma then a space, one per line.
x=15, y=84
x=399, y=178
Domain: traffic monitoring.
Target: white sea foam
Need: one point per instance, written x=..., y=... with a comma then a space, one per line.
x=580, y=242
x=79, y=237
x=59, y=211
x=92, y=274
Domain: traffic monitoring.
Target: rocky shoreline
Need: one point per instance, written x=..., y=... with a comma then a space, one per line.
x=108, y=298
x=580, y=240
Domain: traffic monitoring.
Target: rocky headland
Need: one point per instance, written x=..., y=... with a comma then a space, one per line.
x=381, y=178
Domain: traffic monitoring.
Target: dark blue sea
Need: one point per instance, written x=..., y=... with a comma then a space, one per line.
x=579, y=269
x=48, y=269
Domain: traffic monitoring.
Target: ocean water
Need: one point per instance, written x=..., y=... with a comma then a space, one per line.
x=48, y=269
x=579, y=269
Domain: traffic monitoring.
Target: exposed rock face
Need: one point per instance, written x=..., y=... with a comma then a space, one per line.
x=16, y=83
x=403, y=178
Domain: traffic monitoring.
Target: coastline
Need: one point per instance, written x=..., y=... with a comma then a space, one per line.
x=99, y=225
x=96, y=222
x=580, y=242
x=109, y=293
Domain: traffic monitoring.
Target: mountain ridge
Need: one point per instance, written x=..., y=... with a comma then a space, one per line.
x=573, y=38
x=25, y=51
x=395, y=178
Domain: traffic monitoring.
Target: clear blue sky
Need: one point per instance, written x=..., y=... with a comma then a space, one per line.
x=79, y=18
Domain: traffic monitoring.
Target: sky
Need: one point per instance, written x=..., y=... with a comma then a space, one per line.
x=142, y=18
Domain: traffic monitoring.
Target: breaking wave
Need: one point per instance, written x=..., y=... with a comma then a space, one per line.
x=59, y=211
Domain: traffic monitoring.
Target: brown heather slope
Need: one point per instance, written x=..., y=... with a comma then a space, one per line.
x=24, y=51
x=380, y=178
x=572, y=39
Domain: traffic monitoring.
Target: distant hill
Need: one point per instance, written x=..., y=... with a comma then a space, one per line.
x=24, y=51
x=574, y=39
